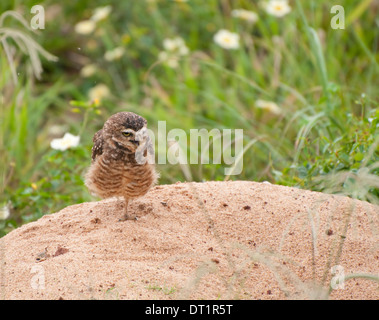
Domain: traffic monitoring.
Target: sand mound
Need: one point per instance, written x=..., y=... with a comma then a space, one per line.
x=228, y=240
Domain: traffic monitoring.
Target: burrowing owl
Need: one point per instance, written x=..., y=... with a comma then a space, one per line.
x=119, y=165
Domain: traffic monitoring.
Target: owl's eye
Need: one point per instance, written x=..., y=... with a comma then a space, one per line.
x=126, y=134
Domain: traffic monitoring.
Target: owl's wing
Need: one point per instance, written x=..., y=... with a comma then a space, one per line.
x=98, y=141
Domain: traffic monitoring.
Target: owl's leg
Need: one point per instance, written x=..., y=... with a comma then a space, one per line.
x=126, y=215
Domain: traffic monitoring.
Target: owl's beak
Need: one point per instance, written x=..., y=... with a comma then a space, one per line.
x=135, y=142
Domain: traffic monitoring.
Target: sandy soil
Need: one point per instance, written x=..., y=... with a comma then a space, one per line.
x=228, y=240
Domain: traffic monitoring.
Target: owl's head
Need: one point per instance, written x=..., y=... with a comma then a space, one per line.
x=126, y=130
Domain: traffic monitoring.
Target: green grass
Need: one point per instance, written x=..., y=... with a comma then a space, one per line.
x=164, y=289
x=324, y=81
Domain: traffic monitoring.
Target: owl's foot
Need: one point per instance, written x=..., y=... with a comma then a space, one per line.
x=128, y=217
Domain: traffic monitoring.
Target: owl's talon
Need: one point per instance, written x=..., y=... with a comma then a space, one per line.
x=128, y=217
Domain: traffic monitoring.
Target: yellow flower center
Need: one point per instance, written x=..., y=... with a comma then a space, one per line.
x=278, y=7
x=96, y=102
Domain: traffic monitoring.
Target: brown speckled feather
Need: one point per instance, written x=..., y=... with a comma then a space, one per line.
x=98, y=141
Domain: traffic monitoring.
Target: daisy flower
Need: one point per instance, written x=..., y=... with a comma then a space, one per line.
x=226, y=39
x=101, y=13
x=278, y=8
x=246, y=15
x=173, y=50
x=171, y=61
x=68, y=141
x=4, y=212
x=85, y=27
x=99, y=92
x=114, y=54
x=88, y=70
x=176, y=45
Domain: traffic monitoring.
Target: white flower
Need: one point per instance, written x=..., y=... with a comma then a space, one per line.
x=176, y=45
x=68, y=141
x=247, y=15
x=169, y=60
x=183, y=51
x=269, y=106
x=114, y=54
x=85, y=27
x=98, y=92
x=172, y=44
x=163, y=55
x=4, y=212
x=226, y=39
x=101, y=13
x=174, y=49
x=88, y=70
x=278, y=8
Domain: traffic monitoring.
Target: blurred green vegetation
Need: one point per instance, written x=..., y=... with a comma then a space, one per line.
x=325, y=83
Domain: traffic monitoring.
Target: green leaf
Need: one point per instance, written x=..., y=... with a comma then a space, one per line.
x=359, y=156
